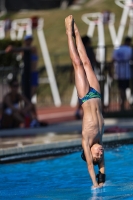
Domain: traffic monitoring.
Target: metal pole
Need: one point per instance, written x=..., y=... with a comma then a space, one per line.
x=49, y=68
x=26, y=76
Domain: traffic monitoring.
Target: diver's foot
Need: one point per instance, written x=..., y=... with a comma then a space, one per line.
x=69, y=24
x=75, y=28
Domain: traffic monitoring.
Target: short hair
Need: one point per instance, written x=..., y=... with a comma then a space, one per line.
x=127, y=39
x=95, y=162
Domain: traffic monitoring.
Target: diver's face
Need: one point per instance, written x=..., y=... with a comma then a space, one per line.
x=97, y=152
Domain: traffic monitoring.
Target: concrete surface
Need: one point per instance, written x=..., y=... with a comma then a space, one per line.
x=62, y=135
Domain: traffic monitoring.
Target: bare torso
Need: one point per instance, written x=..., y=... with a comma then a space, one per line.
x=93, y=122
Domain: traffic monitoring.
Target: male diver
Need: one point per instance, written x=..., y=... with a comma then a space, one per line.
x=88, y=90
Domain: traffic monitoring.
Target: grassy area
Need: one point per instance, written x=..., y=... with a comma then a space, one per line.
x=54, y=31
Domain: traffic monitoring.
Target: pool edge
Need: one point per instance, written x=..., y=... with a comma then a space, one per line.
x=30, y=152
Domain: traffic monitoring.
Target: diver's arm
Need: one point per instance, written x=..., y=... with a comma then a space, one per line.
x=101, y=164
x=88, y=156
x=101, y=174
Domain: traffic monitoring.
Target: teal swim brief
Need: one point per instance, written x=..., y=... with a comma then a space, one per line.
x=90, y=95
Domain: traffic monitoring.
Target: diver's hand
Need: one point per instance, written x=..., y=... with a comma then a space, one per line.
x=101, y=184
x=96, y=187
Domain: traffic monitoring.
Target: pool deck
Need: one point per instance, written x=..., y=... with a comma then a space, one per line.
x=64, y=133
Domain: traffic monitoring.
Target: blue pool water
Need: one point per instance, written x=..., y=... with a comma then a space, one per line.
x=66, y=178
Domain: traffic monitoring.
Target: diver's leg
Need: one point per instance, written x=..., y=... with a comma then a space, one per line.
x=81, y=81
x=92, y=79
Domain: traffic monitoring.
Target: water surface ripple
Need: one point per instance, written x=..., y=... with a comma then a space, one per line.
x=66, y=178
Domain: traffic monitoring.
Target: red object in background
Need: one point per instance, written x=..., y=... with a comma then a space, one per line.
x=116, y=129
x=27, y=121
x=34, y=21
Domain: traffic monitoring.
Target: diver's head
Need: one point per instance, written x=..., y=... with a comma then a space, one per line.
x=97, y=153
